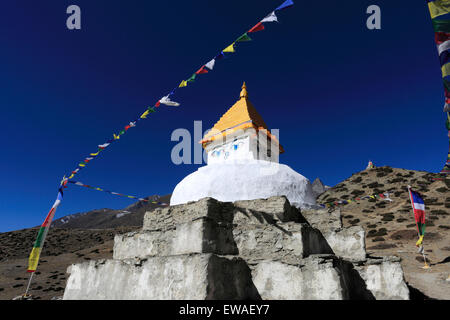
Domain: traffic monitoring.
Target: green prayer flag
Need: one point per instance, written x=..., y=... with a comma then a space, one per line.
x=441, y=25
x=447, y=85
x=243, y=38
x=192, y=78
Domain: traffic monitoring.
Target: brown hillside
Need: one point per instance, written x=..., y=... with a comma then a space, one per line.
x=390, y=226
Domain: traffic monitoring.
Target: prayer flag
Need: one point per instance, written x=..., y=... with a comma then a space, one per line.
x=230, y=48
x=285, y=4
x=201, y=70
x=166, y=100
x=444, y=57
x=210, y=64
x=444, y=46
x=441, y=25
x=182, y=84
x=192, y=78
x=103, y=146
x=243, y=38
x=438, y=7
x=258, y=27
x=145, y=114
x=270, y=18
x=440, y=37
x=445, y=70
x=33, y=260
x=219, y=56
x=419, y=213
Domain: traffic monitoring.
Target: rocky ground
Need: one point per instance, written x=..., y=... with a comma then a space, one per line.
x=390, y=230
x=390, y=226
x=62, y=248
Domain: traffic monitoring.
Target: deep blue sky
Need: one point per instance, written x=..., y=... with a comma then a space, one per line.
x=339, y=93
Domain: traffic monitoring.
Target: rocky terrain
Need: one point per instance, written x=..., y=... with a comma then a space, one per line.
x=390, y=226
x=390, y=230
x=73, y=238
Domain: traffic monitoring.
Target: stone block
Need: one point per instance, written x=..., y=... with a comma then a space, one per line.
x=203, y=235
x=162, y=219
x=287, y=242
x=313, y=280
x=348, y=243
x=384, y=278
x=323, y=219
x=271, y=210
x=186, y=277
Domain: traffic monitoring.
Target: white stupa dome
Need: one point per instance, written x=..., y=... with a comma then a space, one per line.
x=256, y=179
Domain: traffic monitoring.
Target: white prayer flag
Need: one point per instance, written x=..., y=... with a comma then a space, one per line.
x=444, y=46
x=166, y=100
x=270, y=18
x=210, y=65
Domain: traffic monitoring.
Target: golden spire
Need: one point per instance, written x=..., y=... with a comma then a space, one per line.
x=244, y=93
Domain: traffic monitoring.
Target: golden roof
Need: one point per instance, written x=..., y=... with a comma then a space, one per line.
x=241, y=115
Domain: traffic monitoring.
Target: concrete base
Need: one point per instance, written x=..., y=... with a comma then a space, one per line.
x=183, y=252
x=185, y=277
x=312, y=281
x=384, y=278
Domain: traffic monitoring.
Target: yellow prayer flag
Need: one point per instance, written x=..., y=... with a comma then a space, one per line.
x=438, y=8
x=95, y=154
x=445, y=70
x=34, y=259
x=230, y=48
x=419, y=242
x=183, y=84
x=116, y=137
x=145, y=114
x=71, y=176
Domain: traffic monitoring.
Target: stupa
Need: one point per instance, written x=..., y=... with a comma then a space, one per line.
x=242, y=163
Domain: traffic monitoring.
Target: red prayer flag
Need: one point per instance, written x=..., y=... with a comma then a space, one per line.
x=157, y=104
x=258, y=27
x=440, y=37
x=201, y=70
